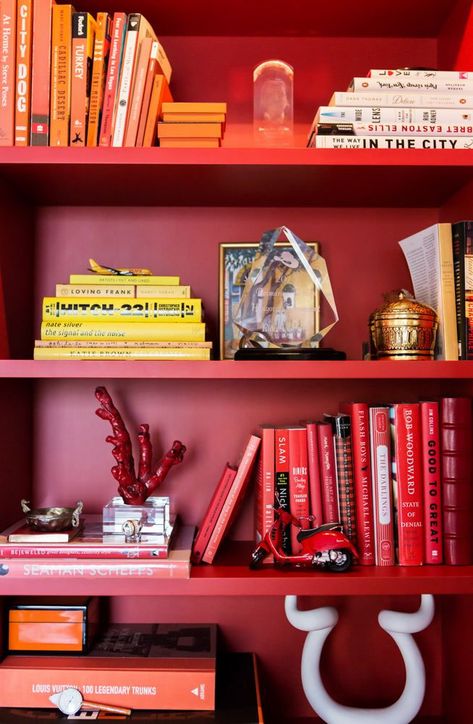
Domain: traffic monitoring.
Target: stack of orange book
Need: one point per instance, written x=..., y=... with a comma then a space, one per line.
x=192, y=125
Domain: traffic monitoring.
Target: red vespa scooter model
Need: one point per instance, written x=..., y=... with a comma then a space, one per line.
x=325, y=546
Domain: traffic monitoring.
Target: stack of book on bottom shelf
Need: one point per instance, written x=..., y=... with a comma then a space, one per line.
x=85, y=553
x=237, y=701
x=118, y=316
x=133, y=666
x=192, y=125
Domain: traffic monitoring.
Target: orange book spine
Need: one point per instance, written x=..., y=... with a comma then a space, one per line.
x=41, y=72
x=117, y=40
x=149, y=80
x=190, y=142
x=60, y=75
x=189, y=130
x=31, y=680
x=99, y=70
x=160, y=92
x=83, y=36
x=24, y=38
x=7, y=71
x=143, y=59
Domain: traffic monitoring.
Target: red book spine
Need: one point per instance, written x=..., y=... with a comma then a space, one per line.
x=264, y=494
x=7, y=71
x=213, y=511
x=410, y=489
x=433, y=537
x=281, y=453
x=315, y=492
x=298, y=482
x=99, y=551
x=113, y=73
x=328, y=475
x=233, y=499
x=341, y=427
x=359, y=416
x=382, y=486
x=41, y=72
x=456, y=435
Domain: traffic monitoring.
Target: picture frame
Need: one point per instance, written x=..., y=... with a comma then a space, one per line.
x=235, y=260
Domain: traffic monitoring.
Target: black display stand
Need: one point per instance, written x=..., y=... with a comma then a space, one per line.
x=289, y=353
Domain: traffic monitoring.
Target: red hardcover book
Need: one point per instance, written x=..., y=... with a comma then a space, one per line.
x=456, y=435
x=281, y=478
x=298, y=482
x=7, y=71
x=41, y=72
x=176, y=565
x=117, y=35
x=407, y=454
x=430, y=431
x=360, y=432
x=380, y=445
x=264, y=492
x=315, y=492
x=328, y=473
x=233, y=499
x=341, y=428
x=213, y=511
x=24, y=42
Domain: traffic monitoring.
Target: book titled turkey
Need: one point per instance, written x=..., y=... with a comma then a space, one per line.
x=380, y=445
x=213, y=511
x=359, y=416
x=407, y=454
x=298, y=482
x=328, y=473
x=456, y=436
x=430, y=429
x=264, y=492
x=233, y=499
x=83, y=37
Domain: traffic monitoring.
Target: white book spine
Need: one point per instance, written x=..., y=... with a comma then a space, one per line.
x=393, y=129
x=405, y=73
x=380, y=114
x=411, y=85
x=425, y=142
x=124, y=92
x=416, y=100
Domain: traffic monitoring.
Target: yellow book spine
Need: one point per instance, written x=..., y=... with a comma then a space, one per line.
x=123, y=279
x=134, y=332
x=116, y=343
x=153, y=290
x=96, y=309
x=109, y=353
x=100, y=290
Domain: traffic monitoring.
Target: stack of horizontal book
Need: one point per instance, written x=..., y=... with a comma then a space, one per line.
x=122, y=317
x=399, y=108
x=192, y=125
x=85, y=552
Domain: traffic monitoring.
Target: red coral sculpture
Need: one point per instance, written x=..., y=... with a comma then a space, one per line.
x=134, y=490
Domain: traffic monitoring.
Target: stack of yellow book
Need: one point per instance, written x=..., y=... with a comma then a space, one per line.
x=192, y=124
x=122, y=317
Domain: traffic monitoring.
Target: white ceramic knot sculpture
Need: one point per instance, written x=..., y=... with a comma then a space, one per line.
x=400, y=626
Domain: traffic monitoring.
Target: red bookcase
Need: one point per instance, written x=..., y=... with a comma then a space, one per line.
x=168, y=209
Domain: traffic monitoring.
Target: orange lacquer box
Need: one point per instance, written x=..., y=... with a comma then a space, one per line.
x=52, y=626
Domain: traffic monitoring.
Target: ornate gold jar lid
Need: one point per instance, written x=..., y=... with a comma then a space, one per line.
x=403, y=328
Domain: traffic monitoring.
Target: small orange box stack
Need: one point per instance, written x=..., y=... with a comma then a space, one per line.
x=192, y=125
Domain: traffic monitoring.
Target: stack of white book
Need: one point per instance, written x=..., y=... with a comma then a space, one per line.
x=399, y=108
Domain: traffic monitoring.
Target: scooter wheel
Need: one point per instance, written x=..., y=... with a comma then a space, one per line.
x=342, y=562
x=257, y=556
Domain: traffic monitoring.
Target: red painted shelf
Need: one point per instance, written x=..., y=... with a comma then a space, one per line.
x=231, y=370
x=231, y=576
x=235, y=176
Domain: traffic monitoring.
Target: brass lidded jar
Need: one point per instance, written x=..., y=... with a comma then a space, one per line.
x=403, y=328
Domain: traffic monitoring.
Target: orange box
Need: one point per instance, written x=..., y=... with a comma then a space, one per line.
x=62, y=625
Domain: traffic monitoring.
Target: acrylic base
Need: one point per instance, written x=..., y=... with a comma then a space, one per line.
x=151, y=518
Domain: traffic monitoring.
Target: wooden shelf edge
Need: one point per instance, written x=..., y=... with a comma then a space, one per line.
x=231, y=370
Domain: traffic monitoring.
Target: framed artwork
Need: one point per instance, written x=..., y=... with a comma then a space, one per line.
x=234, y=265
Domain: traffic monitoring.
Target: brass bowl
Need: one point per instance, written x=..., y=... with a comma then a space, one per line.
x=52, y=519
